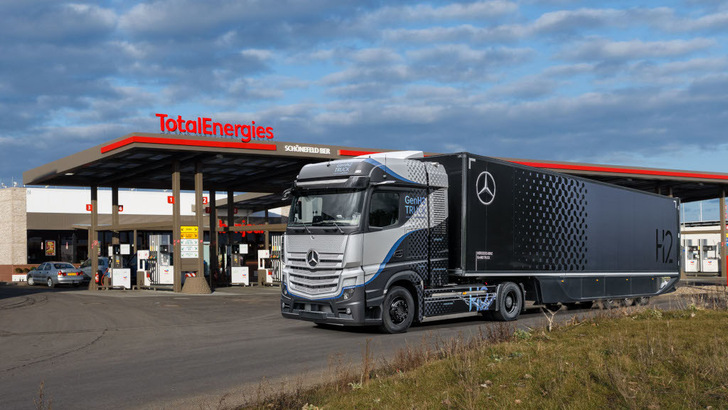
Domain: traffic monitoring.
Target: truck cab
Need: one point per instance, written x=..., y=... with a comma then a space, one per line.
x=363, y=238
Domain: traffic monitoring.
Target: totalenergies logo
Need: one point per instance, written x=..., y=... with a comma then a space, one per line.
x=221, y=224
x=206, y=126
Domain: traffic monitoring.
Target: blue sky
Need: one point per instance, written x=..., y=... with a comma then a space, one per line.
x=617, y=82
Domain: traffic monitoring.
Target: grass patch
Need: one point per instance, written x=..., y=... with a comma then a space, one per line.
x=648, y=359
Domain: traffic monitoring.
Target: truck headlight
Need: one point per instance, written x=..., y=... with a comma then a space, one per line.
x=348, y=293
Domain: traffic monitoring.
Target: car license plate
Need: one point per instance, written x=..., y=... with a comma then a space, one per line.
x=72, y=274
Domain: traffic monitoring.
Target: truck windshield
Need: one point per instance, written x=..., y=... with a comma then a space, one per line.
x=327, y=209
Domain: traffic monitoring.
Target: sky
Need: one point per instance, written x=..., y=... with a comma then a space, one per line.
x=618, y=82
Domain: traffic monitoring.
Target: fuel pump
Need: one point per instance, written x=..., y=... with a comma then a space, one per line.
x=120, y=273
x=692, y=256
x=161, y=271
x=142, y=273
x=265, y=270
x=708, y=257
x=238, y=270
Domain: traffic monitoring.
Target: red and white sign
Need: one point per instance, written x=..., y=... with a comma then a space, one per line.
x=89, y=207
x=170, y=199
x=121, y=208
x=205, y=200
x=206, y=126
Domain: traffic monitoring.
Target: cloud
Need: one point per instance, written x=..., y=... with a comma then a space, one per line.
x=461, y=33
x=546, y=79
x=476, y=11
x=595, y=49
x=55, y=23
x=526, y=88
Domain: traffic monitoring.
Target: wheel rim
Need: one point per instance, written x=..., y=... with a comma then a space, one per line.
x=50, y=282
x=30, y=281
x=398, y=310
x=510, y=302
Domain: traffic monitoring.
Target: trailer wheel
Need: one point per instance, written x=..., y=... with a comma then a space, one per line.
x=510, y=303
x=398, y=310
x=643, y=301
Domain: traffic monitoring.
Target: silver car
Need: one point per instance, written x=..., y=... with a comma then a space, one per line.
x=103, y=269
x=55, y=273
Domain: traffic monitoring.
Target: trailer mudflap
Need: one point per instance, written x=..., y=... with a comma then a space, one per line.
x=459, y=299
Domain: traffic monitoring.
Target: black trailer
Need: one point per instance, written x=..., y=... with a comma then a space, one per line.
x=562, y=238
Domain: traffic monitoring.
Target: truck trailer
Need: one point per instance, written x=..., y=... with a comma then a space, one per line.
x=393, y=238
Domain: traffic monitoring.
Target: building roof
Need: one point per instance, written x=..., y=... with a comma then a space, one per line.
x=144, y=160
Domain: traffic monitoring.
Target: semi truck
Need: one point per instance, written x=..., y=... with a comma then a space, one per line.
x=390, y=239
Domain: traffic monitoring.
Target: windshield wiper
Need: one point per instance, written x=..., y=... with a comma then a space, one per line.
x=307, y=230
x=333, y=221
x=337, y=226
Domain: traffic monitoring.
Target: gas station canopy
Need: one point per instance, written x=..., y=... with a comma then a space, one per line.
x=263, y=170
x=144, y=160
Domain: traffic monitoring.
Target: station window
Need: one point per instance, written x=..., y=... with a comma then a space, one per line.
x=384, y=209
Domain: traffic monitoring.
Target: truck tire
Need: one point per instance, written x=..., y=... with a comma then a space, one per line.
x=510, y=303
x=398, y=310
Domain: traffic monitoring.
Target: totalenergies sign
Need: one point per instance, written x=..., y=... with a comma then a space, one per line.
x=208, y=127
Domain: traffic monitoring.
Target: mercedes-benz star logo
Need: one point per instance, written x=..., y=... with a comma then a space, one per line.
x=312, y=257
x=485, y=188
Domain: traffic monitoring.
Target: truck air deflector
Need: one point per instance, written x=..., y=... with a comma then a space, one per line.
x=388, y=170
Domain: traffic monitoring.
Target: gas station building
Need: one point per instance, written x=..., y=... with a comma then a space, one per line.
x=143, y=186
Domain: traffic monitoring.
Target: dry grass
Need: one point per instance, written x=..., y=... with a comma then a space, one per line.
x=619, y=358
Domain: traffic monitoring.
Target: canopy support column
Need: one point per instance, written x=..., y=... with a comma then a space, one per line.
x=93, y=238
x=176, y=227
x=723, y=247
x=214, y=268
x=199, y=220
x=230, y=231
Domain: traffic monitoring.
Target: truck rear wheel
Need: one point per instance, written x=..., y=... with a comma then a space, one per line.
x=398, y=310
x=510, y=303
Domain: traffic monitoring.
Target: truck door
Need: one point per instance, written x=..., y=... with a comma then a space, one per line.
x=396, y=237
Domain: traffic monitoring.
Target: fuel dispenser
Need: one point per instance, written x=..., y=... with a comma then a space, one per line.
x=265, y=268
x=709, y=261
x=142, y=268
x=159, y=263
x=238, y=270
x=118, y=270
x=692, y=256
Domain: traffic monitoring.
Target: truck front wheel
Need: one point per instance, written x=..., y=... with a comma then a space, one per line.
x=398, y=310
x=510, y=303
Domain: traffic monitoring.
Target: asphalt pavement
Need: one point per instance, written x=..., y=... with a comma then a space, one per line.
x=146, y=349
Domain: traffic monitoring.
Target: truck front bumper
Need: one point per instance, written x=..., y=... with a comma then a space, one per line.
x=351, y=311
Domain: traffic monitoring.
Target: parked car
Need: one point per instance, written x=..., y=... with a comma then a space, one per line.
x=55, y=273
x=103, y=269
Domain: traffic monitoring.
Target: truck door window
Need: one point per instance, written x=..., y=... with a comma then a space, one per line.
x=384, y=209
